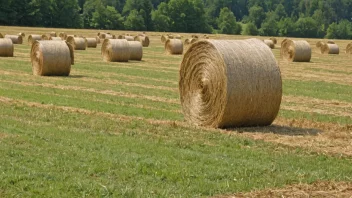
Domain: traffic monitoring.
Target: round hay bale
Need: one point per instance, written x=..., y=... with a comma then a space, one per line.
x=143, y=39
x=187, y=41
x=45, y=37
x=98, y=39
x=16, y=39
x=177, y=36
x=77, y=43
x=22, y=34
x=296, y=51
x=108, y=36
x=319, y=44
x=230, y=83
x=63, y=35
x=115, y=50
x=53, y=38
x=121, y=37
x=51, y=58
x=6, y=47
x=349, y=48
x=1, y=36
x=164, y=38
x=195, y=36
x=129, y=38
x=270, y=43
x=331, y=42
x=91, y=42
x=174, y=46
x=136, y=50
x=330, y=49
x=53, y=34
x=274, y=40
x=34, y=37
x=283, y=41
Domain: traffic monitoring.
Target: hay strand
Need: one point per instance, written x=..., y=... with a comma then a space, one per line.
x=143, y=39
x=51, y=58
x=328, y=48
x=174, y=46
x=91, y=42
x=230, y=83
x=6, y=47
x=16, y=39
x=115, y=50
x=296, y=51
x=77, y=42
x=34, y=37
x=270, y=43
x=136, y=50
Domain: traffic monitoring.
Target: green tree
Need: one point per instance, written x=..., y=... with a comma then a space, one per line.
x=256, y=15
x=139, y=5
x=134, y=21
x=306, y=27
x=250, y=29
x=160, y=18
x=280, y=12
x=342, y=30
x=286, y=27
x=270, y=25
x=227, y=22
x=106, y=18
x=66, y=14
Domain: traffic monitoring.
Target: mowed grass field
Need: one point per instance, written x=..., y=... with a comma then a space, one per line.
x=117, y=129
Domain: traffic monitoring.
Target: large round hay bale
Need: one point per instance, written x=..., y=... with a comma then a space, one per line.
x=349, y=48
x=129, y=38
x=330, y=49
x=174, y=46
x=270, y=43
x=296, y=51
x=77, y=42
x=34, y=37
x=53, y=34
x=136, y=50
x=1, y=36
x=63, y=35
x=91, y=42
x=143, y=39
x=230, y=83
x=16, y=39
x=45, y=37
x=115, y=50
x=274, y=40
x=319, y=44
x=164, y=38
x=6, y=47
x=53, y=38
x=51, y=58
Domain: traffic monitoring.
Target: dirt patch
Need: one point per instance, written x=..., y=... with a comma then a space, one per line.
x=326, y=189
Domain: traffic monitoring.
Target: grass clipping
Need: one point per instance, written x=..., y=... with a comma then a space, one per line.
x=230, y=83
x=115, y=50
x=51, y=58
x=6, y=47
x=174, y=46
x=296, y=51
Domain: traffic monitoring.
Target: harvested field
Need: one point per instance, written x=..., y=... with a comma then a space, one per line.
x=116, y=129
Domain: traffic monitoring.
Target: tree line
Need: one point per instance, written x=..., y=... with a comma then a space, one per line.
x=294, y=18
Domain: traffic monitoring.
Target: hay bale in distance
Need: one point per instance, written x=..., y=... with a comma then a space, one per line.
x=269, y=43
x=1, y=36
x=319, y=44
x=91, y=42
x=349, y=48
x=6, y=47
x=121, y=37
x=51, y=58
x=328, y=48
x=164, y=38
x=16, y=39
x=129, y=38
x=136, y=50
x=330, y=42
x=274, y=40
x=77, y=42
x=53, y=38
x=63, y=35
x=22, y=34
x=53, y=34
x=174, y=46
x=230, y=83
x=177, y=36
x=143, y=39
x=45, y=37
x=296, y=51
x=98, y=39
x=115, y=50
x=34, y=37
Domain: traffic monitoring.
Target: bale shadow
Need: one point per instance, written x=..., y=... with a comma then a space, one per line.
x=279, y=130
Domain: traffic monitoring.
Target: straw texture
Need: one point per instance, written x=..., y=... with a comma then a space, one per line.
x=77, y=42
x=121, y=37
x=45, y=37
x=230, y=83
x=16, y=39
x=319, y=44
x=330, y=49
x=136, y=50
x=55, y=38
x=34, y=37
x=143, y=39
x=174, y=46
x=6, y=47
x=296, y=51
x=53, y=34
x=129, y=38
x=115, y=50
x=51, y=58
x=91, y=42
x=349, y=48
x=270, y=43
x=274, y=40
x=63, y=35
